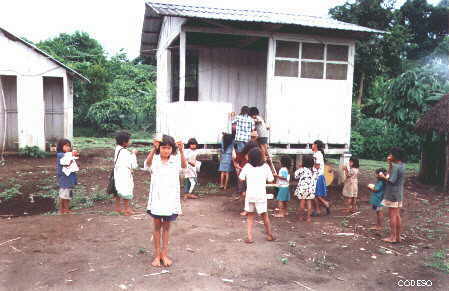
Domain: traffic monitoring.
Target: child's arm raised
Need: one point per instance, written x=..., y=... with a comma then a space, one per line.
x=150, y=156
x=181, y=152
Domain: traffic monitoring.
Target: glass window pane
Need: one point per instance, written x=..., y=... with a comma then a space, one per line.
x=337, y=52
x=287, y=49
x=336, y=71
x=312, y=70
x=313, y=51
x=286, y=69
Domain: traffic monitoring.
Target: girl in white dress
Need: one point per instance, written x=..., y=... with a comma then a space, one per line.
x=164, y=201
x=125, y=162
x=193, y=166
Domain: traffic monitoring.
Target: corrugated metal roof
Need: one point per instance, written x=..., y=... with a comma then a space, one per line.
x=16, y=38
x=250, y=15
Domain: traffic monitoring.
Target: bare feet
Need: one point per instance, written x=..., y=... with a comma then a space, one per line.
x=279, y=215
x=243, y=213
x=166, y=261
x=390, y=240
x=156, y=262
x=309, y=219
x=192, y=196
x=270, y=238
x=129, y=212
x=376, y=227
x=249, y=241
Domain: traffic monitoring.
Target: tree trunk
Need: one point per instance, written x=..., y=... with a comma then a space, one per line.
x=361, y=87
x=446, y=168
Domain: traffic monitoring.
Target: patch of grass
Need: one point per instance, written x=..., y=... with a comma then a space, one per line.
x=83, y=199
x=85, y=142
x=321, y=263
x=440, y=261
x=33, y=152
x=372, y=165
x=10, y=193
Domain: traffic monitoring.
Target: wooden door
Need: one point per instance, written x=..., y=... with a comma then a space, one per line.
x=8, y=90
x=54, y=108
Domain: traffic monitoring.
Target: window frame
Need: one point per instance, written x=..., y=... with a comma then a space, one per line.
x=324, y=61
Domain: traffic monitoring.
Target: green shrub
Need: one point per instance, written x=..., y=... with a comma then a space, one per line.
x=33, y=152
x=10, y=193
x=372, y=138
x=112, y=114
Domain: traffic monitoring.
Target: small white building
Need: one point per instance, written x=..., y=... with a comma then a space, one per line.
x=298, y=71
x=36, y=95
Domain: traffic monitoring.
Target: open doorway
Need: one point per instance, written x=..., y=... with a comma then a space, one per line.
x=8, y=113
x=54, y=108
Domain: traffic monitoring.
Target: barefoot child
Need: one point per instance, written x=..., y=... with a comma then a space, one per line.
x=164, y=203
x=125, y=162
x=394, y=192
x=351, y=188
x=256, y=173
x=66, y=173
x=226, y=160
x=320, y=189
x=283, y=195
x=305, y=191
x=376, y=198
x=190, y=173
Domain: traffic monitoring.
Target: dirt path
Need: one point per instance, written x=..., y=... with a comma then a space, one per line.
x=95, y=250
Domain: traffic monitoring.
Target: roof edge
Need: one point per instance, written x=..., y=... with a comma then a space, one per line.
x=35, y=48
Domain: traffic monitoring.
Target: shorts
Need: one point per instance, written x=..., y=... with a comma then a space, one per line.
x=239, y=146
x=377, y=208
x=262, y=140
x=259, y=207
x=321, y=189
x=392, y=204
x=164, y=218
x=65, y=193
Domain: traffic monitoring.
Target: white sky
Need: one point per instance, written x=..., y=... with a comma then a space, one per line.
x=117, y=24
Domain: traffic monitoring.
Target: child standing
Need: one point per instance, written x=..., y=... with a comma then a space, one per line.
x=262, y=131
x=164, y=202
x=190, y=173
x=350, y=188
x=226, y=159
x=283, y=195
x=65, y=159
x=125, y=162
x=320, y=189
x=376, y=198
x=256, y=173
x=305, y=191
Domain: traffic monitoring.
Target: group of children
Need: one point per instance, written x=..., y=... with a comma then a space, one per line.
x=168, y=160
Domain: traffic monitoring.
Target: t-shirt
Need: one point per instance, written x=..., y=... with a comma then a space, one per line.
x=283, y=172
x=190, y=156
x=164, y=196
x=256, y=179
x=261, y=127
x=319, y=159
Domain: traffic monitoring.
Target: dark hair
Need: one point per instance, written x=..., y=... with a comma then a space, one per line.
x=167, y=141
x=244, y=110
x=249, y=146
x=255, y=157
x=355, y=162
x=61, y=143
x=192, y=141
x=320, y=146
x=253, y=111
x=286, y=162
x=380, y=170
x=227, y=141
x=307, y=161
x=122, y=137
x=398, y=154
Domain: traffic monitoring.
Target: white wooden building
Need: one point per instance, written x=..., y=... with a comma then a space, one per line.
x=298, y=71
x=36, y=95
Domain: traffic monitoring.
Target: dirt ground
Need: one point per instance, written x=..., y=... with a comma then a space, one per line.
x=93, y=249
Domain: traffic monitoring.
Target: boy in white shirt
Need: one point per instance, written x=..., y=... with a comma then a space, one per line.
x=256, y=173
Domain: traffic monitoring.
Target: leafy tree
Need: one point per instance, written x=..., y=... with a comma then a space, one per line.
x=111, y=114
